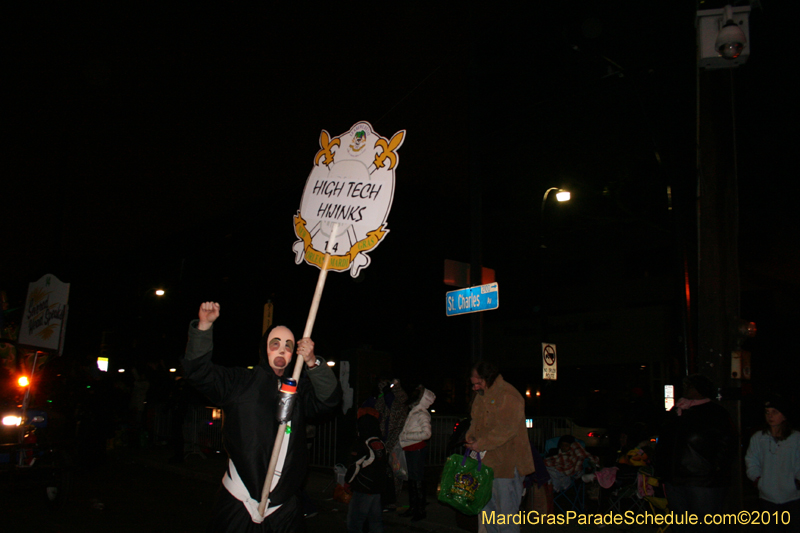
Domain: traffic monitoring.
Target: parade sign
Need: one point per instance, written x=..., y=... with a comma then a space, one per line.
x=45, y=313
x=342, y=217
x=351, y=184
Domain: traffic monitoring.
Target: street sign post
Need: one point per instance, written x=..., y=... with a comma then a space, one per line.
x=472, y=299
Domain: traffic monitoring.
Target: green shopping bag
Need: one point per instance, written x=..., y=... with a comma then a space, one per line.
x=466, y=484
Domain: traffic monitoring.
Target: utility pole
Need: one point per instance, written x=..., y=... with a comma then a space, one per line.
x=722, y=44
x=476, y=205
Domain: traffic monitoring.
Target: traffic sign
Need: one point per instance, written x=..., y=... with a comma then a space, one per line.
x=549, y=361
x=472, y=299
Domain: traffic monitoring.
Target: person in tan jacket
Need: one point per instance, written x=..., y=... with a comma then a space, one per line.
x=498, y=428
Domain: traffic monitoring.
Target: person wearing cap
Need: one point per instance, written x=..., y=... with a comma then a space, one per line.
x=695, y=453
x=773, y=464
x=250, y=400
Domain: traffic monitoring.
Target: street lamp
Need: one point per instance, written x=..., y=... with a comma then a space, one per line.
x=157, y=291
x=146, y=296
x=562, y=196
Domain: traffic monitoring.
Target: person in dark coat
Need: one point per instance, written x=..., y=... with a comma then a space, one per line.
x=249, y=399
x=695, y=452
x=392, y=406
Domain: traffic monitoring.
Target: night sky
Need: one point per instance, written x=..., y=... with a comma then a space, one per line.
x=170, y=146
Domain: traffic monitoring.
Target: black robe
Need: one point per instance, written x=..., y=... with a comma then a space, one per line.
x=249, y=399
x=697, y=448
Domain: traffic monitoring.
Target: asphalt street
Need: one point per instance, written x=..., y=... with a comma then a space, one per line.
x=139, y=490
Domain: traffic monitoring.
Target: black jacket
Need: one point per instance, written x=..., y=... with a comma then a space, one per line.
x=249, y=399
x=368, y=473
x=697, y=448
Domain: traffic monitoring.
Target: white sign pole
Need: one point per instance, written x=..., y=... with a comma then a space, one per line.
x=298, y=369
x=352, y=184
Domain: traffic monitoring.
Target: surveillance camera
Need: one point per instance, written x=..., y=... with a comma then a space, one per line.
x=723, y=37
x=730, y=41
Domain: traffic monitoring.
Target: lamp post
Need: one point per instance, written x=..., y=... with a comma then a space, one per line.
x=561, y=196
x=158, y=291
x=159, y=294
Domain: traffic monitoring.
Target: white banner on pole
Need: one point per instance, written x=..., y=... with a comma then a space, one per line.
x=45, y=313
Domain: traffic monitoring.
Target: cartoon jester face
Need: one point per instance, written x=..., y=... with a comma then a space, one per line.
x=359, y=140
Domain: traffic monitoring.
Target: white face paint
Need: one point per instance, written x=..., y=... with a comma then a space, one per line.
x=280, y=348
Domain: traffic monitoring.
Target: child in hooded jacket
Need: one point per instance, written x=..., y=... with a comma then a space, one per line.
x=366, y=477
x=414, y=441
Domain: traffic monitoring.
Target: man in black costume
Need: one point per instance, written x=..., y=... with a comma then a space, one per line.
x=250, y=401
x=695, y=451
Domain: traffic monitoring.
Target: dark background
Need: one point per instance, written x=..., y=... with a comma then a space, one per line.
x=168, y=147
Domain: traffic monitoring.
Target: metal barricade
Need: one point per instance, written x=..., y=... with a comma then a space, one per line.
x=547, y=427
x=210, y=428
x=542, y=428
x=202, y=429
x=441, y=431
x=160, y=423
x=323, y=447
